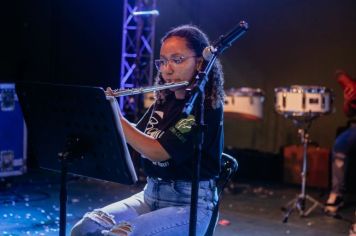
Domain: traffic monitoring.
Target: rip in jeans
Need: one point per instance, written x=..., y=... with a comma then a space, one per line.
x=339, y=159
x=121, y=229
x=101, y=218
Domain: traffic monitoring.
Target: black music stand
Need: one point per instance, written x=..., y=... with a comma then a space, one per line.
x=75, y=125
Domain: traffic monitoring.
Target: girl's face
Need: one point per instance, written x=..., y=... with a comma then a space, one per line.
x=177, y=62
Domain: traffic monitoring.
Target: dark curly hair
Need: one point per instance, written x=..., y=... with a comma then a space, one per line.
x=197, y=40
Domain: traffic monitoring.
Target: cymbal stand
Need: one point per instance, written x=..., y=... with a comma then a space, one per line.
x=299, y=202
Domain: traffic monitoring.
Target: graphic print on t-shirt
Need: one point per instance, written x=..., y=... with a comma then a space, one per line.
x=185, y=125
x=151, y=130
x=154, y=132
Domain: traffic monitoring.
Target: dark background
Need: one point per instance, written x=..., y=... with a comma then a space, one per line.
x=289, y=42
x=62, y=41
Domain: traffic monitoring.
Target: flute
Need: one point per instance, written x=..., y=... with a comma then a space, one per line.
x=128, y=92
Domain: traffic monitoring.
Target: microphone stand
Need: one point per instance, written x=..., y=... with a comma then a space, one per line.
x=197, y=93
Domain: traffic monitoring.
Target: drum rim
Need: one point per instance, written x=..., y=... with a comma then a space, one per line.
x=303, y=89
x=302, y=114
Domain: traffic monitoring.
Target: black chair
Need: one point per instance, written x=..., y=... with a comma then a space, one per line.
x=229, y=166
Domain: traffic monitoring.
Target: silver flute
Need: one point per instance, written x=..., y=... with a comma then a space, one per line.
x=128, y=92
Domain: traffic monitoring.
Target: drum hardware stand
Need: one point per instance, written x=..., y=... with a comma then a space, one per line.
x=299, y=202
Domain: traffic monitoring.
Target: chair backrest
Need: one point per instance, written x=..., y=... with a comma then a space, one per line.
x=228, y=167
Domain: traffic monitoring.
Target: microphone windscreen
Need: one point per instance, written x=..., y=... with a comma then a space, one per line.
x=208, y=53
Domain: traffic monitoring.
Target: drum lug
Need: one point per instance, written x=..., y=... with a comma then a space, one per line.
x=284, y=100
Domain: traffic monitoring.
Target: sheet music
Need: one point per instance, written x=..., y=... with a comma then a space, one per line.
x=116, y=109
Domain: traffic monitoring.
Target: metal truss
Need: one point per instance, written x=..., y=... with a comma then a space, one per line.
x=137, y=49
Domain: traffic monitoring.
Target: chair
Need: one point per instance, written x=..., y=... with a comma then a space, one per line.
x=229, y=166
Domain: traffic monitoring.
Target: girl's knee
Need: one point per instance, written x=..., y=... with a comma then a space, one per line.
x=93, y=223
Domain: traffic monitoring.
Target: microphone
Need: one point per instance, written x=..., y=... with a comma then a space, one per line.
x=225, y=41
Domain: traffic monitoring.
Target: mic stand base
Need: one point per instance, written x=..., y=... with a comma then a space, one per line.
x=299, y=203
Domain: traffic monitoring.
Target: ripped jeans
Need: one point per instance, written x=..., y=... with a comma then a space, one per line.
x=162, y=208
x=344, y=145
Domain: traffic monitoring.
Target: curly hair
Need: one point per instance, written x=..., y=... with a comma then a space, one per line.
x=197, y=40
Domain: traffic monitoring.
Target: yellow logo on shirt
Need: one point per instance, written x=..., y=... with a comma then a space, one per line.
x=185, y=125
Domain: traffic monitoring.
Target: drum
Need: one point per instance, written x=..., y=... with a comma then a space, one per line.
x=303, y=101
x=244, y=102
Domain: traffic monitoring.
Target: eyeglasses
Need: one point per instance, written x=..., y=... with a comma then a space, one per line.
x=159, y=63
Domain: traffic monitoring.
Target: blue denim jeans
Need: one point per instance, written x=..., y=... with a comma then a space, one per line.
x=343, y=147
x=162, y=208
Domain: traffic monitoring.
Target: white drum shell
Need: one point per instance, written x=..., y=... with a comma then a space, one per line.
x=246, y=102
x=303, y=100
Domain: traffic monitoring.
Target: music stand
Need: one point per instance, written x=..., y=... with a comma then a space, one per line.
x=75, y=125
x=299, y=202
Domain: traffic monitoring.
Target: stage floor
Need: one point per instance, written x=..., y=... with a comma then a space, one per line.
x=30, y=206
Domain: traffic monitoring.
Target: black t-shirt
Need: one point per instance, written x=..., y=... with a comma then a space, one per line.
x=166, y=124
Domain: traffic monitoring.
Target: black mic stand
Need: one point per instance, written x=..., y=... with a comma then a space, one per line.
x=197, y=93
